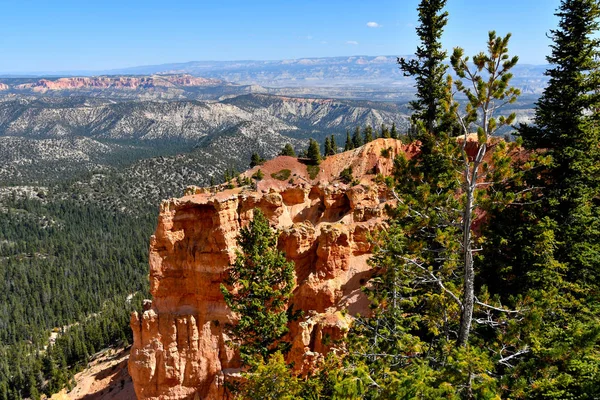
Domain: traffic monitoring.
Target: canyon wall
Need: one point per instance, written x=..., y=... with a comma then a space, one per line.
x=325, y=227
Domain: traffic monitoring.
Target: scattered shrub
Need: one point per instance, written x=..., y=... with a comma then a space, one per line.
x=313, y=171
x=282, y=175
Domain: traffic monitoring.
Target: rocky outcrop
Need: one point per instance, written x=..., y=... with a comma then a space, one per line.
x=325, y=226
x=3, y=86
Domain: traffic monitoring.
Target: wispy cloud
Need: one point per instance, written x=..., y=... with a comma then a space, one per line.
x=309, y=37
x=373, y=24
x=352, y=42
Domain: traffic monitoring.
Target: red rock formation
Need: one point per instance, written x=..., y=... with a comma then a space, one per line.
x=123, y=82
x=179, y=349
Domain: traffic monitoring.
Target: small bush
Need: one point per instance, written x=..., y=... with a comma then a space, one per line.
x=386, y=152
x=346, y=175
x=282, y=175
x=258, y=175
x=313, y=171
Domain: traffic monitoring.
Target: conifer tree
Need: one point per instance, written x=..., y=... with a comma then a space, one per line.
x=555, y=250
x=394, y=132
x=368, y=134
x=567, y=126
x=349, y=143
x=424, y=295
x=428, y=68
x=334, y=146
x=385, y=132
x=257, y=289
x=314, y=152
x=255, y=160
x=357, y=139
x=327, y=146
x=485, y=96
x=287, y=150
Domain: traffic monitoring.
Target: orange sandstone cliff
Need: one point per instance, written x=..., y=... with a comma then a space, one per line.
x=325, y=225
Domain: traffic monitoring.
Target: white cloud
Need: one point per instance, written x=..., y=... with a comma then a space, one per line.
x=323, y=42
x=373, y=25
x=309, y=38
x=352, y=42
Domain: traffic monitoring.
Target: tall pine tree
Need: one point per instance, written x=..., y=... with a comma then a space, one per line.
x=548, y=248
x=428, y=68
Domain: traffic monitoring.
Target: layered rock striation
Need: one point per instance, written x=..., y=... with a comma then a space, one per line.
x=325, y=227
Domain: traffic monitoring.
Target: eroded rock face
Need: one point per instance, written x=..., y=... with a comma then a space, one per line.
x=325, y=226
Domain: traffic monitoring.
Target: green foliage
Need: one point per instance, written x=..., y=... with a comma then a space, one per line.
x=313, y=171
x=334, y=146
x=420, y=341
x=287, y=150
x=484, y=93
x=314, y=152
x=349, y=143
x=385, y=132
x=258, y=175
x=554, y=253
x=273, y=380
x=394, y=132
x=77, y=266
x=357, y=139
x=368, y=134
x=257, y=290
x=428, y=67
x=330, y=146
x=256, y=159
x=346, y=175
x=282, y=175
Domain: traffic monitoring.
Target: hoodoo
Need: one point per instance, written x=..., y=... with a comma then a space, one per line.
x=325, y=227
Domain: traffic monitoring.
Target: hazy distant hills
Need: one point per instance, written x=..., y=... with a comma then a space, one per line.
x=366, y=71
x=370, y=77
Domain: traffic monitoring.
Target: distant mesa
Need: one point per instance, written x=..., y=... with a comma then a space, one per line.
x=116, y=82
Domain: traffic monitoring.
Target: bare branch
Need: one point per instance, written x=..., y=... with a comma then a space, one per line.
x=435, y=279
x=505, y=360
x=497, y=308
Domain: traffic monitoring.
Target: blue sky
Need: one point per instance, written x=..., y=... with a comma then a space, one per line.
x=60, y=35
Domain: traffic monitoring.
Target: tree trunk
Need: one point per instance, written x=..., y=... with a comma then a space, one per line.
x=469, y=273
x=468, y=302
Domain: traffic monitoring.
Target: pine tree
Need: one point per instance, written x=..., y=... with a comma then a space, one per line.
x=287, y=150
x=334, y=146
x=483, y=94
x=394, y=132
x=327, y=146
x=255, y=160
x=385, y=132
x=368, y=134
x=257, y=289
x=357, y=139
x=424, y=293
x=428, y=68
x=314, y=152
x=567, y=126
x=349, y=143
x=555, y=250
